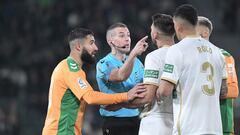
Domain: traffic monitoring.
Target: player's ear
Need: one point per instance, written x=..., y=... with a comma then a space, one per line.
x=206, y=33
x=155, y=35
x=179, y=28
x=78, y=46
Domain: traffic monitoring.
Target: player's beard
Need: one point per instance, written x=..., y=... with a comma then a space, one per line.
x=87, y=58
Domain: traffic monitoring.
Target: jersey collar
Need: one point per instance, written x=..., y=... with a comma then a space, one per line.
x=165, y=46
x=193, y=36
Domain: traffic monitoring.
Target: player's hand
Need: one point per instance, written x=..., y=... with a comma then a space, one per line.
x=140, y=47
x=136, y=92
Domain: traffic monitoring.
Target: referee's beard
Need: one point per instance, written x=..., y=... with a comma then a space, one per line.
x=87, y=58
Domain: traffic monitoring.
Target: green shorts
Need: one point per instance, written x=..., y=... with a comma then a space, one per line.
x=226, y=106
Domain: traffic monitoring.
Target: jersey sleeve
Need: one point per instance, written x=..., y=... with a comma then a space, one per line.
x=224, y=69
x=104, y=69
x=151, y=70
x=99, y=98
x=173, y=65
x=77, y=84
x=232, y=78
x=82, y=89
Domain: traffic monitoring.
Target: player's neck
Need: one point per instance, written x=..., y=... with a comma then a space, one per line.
x=190, y=33
x=75, y=56
x=161, y=43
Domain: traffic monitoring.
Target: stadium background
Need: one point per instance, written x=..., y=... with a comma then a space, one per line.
x=33, y=40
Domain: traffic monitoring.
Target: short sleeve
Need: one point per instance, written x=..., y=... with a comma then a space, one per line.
x=231, y=71
x=104, y=68
x=224, y=56
x=151, y=70
x=77, y=83
x=173, y=65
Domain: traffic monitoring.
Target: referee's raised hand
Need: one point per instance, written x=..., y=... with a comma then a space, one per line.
x=140, y=47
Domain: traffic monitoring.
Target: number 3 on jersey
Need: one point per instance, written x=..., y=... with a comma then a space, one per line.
x=208, y=89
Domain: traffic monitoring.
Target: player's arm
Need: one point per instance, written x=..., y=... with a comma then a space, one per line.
x=94, y=97
x=171, y=72
x=145, y=98
x=232, y=81
x=151, y=79
x=224, y=89
x=148, y=97
x=82, y=90
x=165, y=88
x=142, y=99
x=122, y=73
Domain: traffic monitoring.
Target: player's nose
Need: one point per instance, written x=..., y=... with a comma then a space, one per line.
x=95, y=48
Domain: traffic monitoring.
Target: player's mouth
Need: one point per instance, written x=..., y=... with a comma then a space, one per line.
x=125, y=46
x=94, y=53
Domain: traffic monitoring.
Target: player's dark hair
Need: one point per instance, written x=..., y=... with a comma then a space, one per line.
x=79, y=33
x=188, y=13
x=117, y=25
x=164, y=23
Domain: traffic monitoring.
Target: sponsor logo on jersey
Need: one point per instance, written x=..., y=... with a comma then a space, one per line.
x=168, y=68
x=151, y=74
x=82, y=83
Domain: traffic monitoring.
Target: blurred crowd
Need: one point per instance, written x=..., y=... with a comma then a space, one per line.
x=33, y=40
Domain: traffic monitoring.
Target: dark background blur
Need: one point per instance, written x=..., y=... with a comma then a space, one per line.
x=33, y=40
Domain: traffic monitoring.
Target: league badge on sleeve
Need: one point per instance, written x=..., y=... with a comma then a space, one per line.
x=168, y=68
x=82, y=83
x=151, y=74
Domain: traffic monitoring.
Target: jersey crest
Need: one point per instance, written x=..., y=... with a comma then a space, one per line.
x=72, y=65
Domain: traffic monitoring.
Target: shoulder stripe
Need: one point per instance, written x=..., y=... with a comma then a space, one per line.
x=151, y=83
x=169, y=80
x=225, y=53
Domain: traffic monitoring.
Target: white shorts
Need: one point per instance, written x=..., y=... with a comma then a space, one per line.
x=156, y=125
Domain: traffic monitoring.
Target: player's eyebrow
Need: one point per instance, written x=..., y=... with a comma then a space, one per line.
x=92, y=41
x=121, y=32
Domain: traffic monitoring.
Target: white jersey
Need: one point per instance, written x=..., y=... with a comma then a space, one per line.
x=154, y=64
x=197, y=68
x=157, y=118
